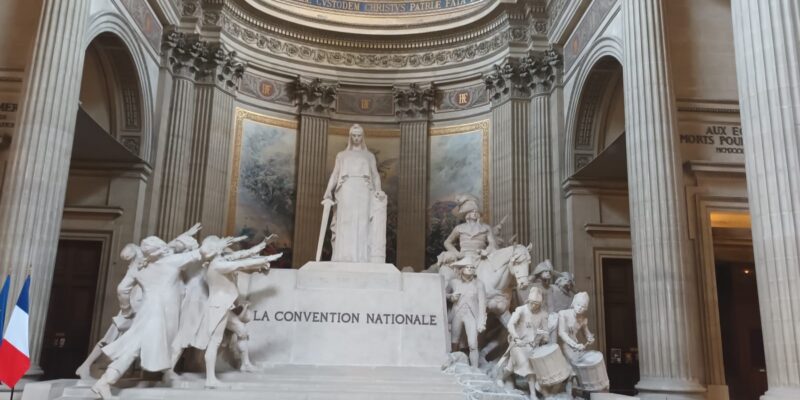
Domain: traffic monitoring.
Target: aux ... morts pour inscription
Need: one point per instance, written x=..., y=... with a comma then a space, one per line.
x=724, y=138
x=330, y=317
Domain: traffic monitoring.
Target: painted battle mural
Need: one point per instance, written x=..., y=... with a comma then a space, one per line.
x=457, y=166
x=263, y=185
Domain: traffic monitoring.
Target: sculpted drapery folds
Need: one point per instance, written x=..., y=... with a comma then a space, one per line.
x=355, y=187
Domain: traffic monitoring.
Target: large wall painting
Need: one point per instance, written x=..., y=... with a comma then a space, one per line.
x=385, y=145
x=262, y=193
x=459, y=164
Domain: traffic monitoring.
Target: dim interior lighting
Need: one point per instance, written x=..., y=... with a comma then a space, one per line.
x=747, y=271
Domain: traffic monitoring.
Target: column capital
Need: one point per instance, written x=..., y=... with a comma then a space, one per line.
x=540, y=71
x=499, y=83
x=217, y=66
x=180, y=53
x=314, y=96
x=414, y=102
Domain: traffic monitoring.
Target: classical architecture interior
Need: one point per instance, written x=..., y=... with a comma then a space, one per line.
x=401, y=199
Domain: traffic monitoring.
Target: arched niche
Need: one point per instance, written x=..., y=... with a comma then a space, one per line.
x=599, y=122
x=111, y=94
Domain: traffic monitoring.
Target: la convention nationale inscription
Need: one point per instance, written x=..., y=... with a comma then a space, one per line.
x=331, y=317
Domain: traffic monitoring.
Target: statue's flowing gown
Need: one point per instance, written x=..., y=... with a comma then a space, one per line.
x=353, y=193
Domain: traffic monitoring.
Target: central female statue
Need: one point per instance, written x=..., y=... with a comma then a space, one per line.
x=355, y=187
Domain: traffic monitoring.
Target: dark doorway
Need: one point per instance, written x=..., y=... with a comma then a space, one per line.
x=740, y=323
x=622, y=350
x=69, y=315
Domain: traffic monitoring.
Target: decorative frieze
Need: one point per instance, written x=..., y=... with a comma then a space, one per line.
x=390, y=56
x=315, y=96
x=414, y=102
x=361, y=103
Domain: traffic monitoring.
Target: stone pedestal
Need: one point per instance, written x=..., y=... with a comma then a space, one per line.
x=36, y=177
x=667, y=318
x=767, y=56
x=329, y=313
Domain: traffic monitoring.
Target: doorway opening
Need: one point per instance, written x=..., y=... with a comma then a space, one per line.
x=70, y=314
x=739, y=316
x=622, y=355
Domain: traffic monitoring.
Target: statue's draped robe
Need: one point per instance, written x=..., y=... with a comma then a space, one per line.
x=355, y=172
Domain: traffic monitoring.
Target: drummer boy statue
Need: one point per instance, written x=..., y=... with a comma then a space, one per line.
x=468, y=296
x=527, y=330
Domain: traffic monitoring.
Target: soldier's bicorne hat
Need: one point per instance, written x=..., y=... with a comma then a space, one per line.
x=465, y=204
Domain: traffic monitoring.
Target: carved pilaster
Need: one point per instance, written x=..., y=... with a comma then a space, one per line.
x=413, y=108
x=316, y=100
x=510, y=93
x=218, y=76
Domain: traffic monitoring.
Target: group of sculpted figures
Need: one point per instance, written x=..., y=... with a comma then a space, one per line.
x=173, y=296
x=547, y=334
x=185, y=294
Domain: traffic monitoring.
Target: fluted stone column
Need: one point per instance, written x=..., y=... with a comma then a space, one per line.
x=36, y=177
x=316, y=100
x=217, y=81
x=666, y=292
x=509, y=152
x=542, y=70
x=767, y=44
x=181, y=52
x=413, y=109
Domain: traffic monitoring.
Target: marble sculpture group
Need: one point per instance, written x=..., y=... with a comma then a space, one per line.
x=184, y=294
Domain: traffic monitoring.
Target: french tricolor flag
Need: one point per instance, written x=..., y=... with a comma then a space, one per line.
x=14, y=356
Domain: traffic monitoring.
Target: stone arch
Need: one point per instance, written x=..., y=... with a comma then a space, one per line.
x=123, y=57
x=598, y=81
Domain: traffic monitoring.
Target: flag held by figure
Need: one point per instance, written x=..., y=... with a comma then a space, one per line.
x=14, y=357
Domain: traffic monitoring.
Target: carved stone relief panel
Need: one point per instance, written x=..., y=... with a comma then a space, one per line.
x=461, y=98
x=266, y=89
x=360, y=103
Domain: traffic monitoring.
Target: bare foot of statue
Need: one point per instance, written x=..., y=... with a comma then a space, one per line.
x=103, y=390
x=84, y=373
x=216, y=384
x=169, y=376
x=250, y=367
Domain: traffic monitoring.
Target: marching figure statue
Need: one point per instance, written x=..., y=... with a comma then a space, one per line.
x=223, y=292
x=155, y=325
x=468, y=296
x=130, y=296
x=359, y=220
